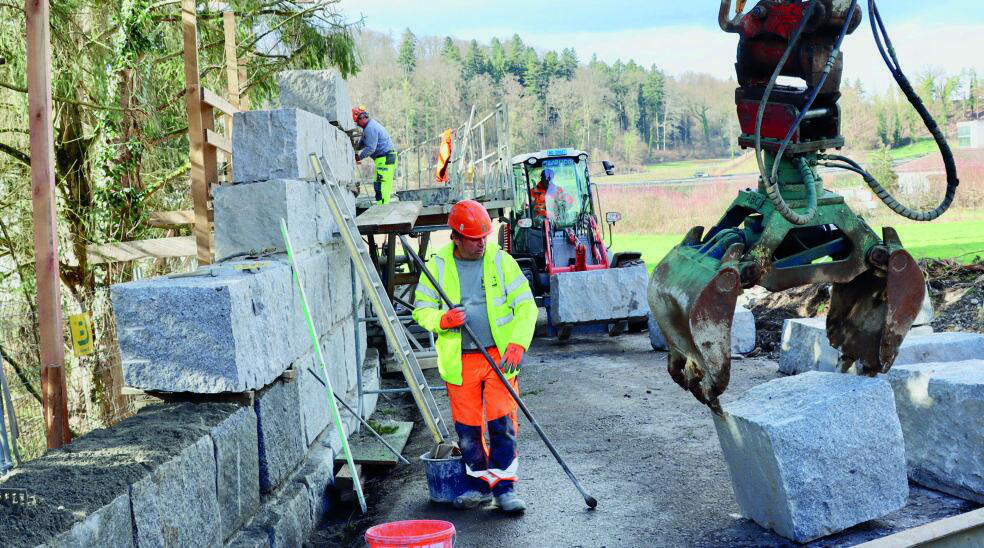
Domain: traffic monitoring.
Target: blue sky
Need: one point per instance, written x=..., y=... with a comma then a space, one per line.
x=679, y=36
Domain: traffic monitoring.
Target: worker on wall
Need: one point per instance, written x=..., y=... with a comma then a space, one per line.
x=444, y=157
x=496, y=302
x=376, y=144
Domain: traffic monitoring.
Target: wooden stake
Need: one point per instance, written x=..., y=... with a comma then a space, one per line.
x=232, y=79
x=196, y=132
x=54, y=391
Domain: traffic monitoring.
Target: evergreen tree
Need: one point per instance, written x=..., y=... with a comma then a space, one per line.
x=408, y=54
x=475, y=61
x=498, y=64
x=568, y=63
x=450, y=50
x=516, y=56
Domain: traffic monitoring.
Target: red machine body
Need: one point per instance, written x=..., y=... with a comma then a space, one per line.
x=766, y=31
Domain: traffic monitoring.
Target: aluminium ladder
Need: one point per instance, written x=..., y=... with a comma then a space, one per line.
x=393, y=328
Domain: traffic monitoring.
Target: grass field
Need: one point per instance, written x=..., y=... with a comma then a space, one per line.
x=740, y=165
x=914, y=150
x=960, y=240
x=664, y=171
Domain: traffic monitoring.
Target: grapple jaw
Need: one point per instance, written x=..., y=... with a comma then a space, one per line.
x=693, y=297
x=870, y=315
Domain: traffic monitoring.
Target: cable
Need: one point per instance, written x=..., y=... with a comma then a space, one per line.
x=770, y=187
x=887, y=52
x=828, y=66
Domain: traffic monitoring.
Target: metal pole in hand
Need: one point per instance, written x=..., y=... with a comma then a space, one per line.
x=588, y=499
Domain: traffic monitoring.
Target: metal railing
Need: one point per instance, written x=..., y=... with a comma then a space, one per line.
x=480, y=162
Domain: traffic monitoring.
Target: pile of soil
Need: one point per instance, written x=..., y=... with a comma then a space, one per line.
x=956, y=291
x=772, y=309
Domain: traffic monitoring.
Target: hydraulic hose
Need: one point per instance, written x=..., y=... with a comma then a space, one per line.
x=887, y=52
x=771, y=189
x=828, y=66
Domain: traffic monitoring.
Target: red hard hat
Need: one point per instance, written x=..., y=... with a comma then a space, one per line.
x=356, y=111
x=470, y=219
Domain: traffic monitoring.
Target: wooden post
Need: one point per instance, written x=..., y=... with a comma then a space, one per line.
x=232, y=79
x=196, y=133
x=54, y=391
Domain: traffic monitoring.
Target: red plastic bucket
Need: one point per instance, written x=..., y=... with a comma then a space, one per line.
x=418, y=533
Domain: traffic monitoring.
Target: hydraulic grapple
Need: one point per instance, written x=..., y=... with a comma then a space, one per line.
x=791, y=231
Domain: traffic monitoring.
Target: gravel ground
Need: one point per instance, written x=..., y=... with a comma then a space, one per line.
x=642, y=446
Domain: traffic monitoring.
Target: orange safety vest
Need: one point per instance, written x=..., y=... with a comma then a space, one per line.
x=538, y=199
x=444, y=157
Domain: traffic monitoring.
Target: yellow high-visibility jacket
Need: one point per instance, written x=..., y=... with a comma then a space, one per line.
x=511, y=307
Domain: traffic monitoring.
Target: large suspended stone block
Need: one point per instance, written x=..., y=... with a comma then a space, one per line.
x=742, y=332
x=277, y=144
x=321, y=92
x=941, y=406
x=814, y=454
x=599, y=295
x=805, y=347
x=247, y=217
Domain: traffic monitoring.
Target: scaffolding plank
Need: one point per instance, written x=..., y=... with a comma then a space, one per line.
x=213, y=99
x=178, y=246
x=366, y=449
x=218, y=141
x=171, y=219
x=396, y=217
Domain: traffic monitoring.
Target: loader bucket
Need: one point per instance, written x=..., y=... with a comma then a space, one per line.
x=870, y=315
x=598, y=296
x=693, y=300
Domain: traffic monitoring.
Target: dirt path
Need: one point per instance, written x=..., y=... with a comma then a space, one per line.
x=643, y=447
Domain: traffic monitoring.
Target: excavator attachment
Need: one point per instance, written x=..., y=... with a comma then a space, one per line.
x=877, y=287
x=692, y=295
x=871, y=314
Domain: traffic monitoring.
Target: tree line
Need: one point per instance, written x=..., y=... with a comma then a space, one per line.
x=635, y=114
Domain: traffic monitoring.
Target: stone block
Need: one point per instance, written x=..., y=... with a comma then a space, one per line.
x=742, y=332
x=940, y=406
x=284, y=521
x=317, y=475
x=228, y=332
x=176, y=504
x=371, y=381
x=315, y=409
x=110, y=527
x=599, y=295
x=247, y=217
x=925, y=311
x=322, y=92
x=277, y=144
x=805, y=347
x=814, y=454
x=281, y=440
x=237, y=468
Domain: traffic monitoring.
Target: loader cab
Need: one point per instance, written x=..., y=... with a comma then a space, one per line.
x=544, y=240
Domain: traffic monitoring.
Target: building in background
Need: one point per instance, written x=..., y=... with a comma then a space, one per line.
x=970, y=134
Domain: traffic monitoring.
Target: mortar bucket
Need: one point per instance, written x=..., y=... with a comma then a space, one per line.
x=421, y=533
x=446, y=478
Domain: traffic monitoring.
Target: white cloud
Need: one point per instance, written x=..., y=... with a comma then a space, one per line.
x=679, y=49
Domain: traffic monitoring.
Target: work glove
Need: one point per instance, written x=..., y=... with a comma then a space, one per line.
x=512, y=358
x=453, y=318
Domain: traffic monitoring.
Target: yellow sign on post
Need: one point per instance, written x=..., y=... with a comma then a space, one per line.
x=81, y=327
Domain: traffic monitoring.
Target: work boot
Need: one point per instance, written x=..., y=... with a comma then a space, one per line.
x=510, y=503
x=471, y=499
